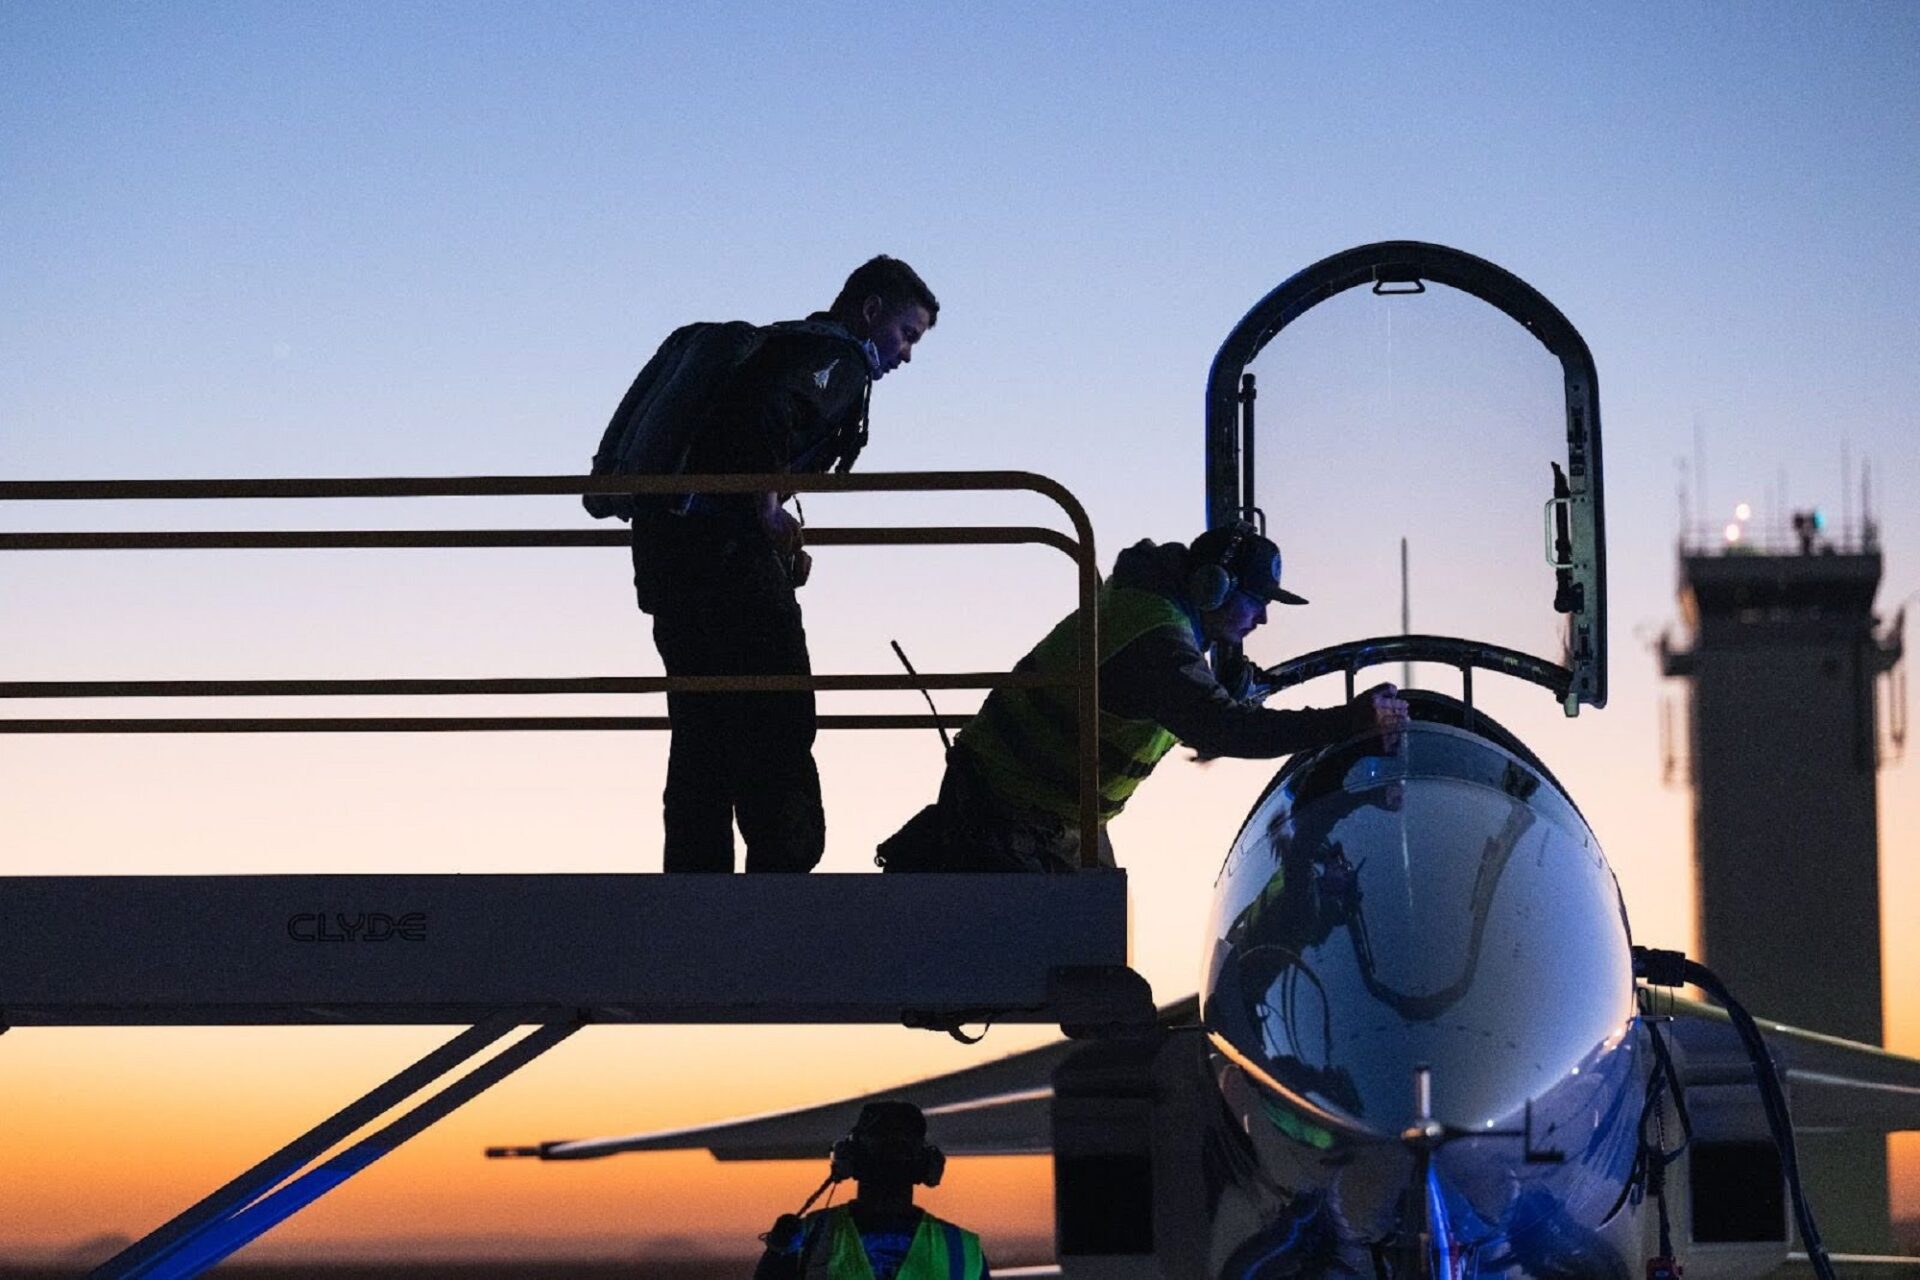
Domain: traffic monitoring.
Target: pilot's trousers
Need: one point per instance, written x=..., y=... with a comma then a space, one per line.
x=723, y=605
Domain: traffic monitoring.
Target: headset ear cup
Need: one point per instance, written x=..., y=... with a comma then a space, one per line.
x=1209, y=586
x=933, y=1165
x=843, y=1161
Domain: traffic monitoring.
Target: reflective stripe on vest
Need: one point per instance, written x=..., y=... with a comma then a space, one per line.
x=939, y=1251
x=1023, y=740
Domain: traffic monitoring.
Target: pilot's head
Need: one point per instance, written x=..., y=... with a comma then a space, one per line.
x=1233, y=573
x=887, y=1152
x=888, y=306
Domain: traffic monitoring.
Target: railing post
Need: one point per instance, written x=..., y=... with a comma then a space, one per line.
x=1086, y=673
x=1087, y=691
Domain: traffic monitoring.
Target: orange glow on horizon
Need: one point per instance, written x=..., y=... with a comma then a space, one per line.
x=129, y=1128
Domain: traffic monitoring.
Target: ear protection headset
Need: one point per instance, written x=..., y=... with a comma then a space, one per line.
x=850, y=1159
x=1211, y=581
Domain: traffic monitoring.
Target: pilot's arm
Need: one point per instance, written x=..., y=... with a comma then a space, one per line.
x=779, y=414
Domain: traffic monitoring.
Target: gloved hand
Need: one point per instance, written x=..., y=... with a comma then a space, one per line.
x=786, y=533
x=1380, y=710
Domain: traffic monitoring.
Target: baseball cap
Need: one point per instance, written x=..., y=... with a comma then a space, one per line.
x=1250, y=558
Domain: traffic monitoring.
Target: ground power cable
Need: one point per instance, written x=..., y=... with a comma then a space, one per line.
x=1673, y=969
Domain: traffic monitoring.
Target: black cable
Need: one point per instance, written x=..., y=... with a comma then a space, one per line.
x=1665, y=1060
x=1673, y=969
x=1773, y=1098
x=1658, y=1160
x=828, y=1181
x=789, y=1227
x=915, y=676
x=1651, y=1156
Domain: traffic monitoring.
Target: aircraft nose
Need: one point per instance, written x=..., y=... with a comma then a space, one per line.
x=1443, y=909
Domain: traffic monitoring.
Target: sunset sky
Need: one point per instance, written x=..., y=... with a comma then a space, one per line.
x=354, y=240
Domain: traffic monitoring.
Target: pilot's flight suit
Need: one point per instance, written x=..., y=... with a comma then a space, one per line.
x=723, y=604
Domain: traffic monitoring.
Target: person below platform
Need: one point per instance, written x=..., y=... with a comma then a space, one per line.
x=880, y=1234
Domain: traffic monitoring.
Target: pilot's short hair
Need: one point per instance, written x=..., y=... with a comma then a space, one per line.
x=893, y=281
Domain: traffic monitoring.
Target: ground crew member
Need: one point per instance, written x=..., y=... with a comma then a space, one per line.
x=880, y=1234
x=719, y=573
x=1010, y=798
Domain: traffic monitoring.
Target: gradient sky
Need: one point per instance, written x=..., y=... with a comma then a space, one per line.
x=276, y=239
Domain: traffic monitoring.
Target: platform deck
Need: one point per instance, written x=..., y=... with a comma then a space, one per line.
x=348, y=949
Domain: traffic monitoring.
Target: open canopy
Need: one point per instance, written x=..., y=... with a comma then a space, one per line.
x=1447, y=403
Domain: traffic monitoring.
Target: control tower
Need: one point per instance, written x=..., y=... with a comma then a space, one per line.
x=1782, y=668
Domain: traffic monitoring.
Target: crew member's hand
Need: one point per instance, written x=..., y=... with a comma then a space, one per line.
x=1381, y=710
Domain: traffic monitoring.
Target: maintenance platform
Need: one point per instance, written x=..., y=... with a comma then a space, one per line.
x=496, y=953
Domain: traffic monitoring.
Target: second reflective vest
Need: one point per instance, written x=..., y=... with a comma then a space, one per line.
x=940, y=1250
x=1023, y=741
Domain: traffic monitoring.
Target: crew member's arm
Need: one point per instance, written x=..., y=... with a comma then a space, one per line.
x=1163, y=677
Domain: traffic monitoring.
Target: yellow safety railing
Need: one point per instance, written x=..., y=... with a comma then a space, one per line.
x=1084, y=681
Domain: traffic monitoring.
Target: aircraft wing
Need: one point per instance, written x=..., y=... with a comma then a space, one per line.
x=1831, y=1083
x=999, y=1108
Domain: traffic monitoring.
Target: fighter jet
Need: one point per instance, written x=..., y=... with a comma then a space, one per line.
x=1425, y=1045
x=1472, y=1085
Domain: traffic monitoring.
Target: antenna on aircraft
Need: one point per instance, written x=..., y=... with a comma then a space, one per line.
x=1406, y=615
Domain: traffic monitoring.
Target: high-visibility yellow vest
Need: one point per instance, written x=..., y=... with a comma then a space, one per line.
x=1023, y=741
x=939, y=1251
